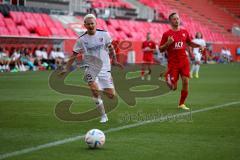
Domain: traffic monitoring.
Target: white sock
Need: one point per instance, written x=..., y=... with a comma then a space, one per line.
x=193, y=69
x=197, y=68
x=148, y=77
x=20, y=67
x=99, y=105
x=17, y=67
x=23, y=68
x=8, y=68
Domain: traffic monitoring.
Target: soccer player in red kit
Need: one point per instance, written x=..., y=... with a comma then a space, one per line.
x=175, y=41
x=148, y=48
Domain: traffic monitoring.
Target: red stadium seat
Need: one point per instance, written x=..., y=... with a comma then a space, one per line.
x=3, y=31
x=62, y=32
x=58, y=24
x=9, y=22
x=28, y=15
x=2, y=24
x=17, y=17
x=54, y=31
x=23, y=31
x=30, y=24
x=43, y=31
x=13, y=30
x=229, y=5
x=71, y=33
x=34, y=25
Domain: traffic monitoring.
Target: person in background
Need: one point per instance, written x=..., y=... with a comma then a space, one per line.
x=38, y=57
x=238, y=51
x=52, y=58
x=197, y=52
x=45, y=58
x=41, y=58
x=228, y=55
x=16, y=59
x=60, y=57
x=224, y=56
x=25, y=59
x=4, y=60
x=148, y=48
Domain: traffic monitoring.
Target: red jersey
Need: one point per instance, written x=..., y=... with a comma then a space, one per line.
x=149, y=44
x=148, y=55
x=177, y=50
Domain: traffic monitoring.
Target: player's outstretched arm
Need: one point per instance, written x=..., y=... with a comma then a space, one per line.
x=69, y=64
x=194, y=45
x=114, y=57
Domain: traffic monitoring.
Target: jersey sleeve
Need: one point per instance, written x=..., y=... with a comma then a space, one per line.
x=164, y=39
x=204, y=43
x=78, y=47
x=108, y=39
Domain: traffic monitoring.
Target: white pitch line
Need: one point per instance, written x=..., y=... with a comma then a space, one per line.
x=72, y=139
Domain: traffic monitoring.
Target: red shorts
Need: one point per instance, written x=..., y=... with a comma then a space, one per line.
x=174, y=70
x=148, y=57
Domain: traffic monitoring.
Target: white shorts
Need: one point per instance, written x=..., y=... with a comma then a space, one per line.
x=104, y=80
x=197, y=57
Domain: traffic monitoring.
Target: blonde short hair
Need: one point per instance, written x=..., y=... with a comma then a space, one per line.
x=89, y=16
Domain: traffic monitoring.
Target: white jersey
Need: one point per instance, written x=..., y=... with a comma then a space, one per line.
x=200, y=42
x=95, y=45
x=41, y=54
x=60, y=54
x=38, y=53
x=16, y=55
x=53, y=55
x=44, y=55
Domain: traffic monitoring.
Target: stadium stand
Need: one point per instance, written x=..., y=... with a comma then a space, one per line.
x=118, y=8
x=21, y=23
x=28, y=21
x=5, y=8
x=125, y=29
x=213, y=23
x=229, y=6
x=135, y=30
x=110, y=3
x=212, y=13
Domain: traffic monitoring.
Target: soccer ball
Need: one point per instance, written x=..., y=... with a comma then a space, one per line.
x=95, y=138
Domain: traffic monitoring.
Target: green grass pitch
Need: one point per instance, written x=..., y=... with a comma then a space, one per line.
x=27, y=120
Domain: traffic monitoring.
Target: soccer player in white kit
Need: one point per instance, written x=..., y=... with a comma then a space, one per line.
x=197, y=54
x=96, y=43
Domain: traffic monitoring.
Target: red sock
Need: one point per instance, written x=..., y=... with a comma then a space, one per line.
x=142, y=72
x=184, y=95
